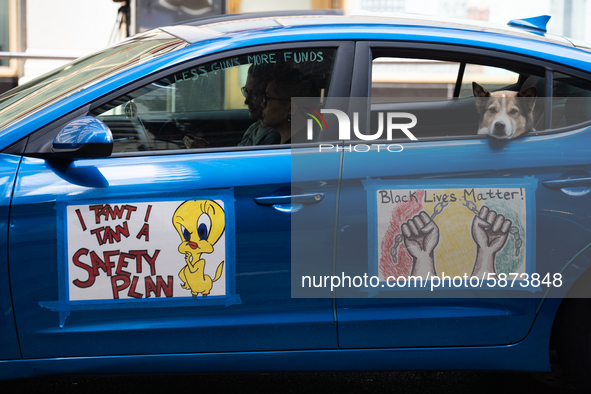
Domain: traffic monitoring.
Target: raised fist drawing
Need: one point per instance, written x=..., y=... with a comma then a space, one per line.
x=421, y=236
x=490, y=232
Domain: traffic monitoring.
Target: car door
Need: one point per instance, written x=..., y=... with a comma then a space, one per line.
x=9, y=340
x=446, y=179
x=103, y=251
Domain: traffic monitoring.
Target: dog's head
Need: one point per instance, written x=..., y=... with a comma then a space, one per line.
x=505, y=114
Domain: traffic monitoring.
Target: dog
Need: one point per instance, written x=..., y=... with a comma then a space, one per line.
x=505, y=114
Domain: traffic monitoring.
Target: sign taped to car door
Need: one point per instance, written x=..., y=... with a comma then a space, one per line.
x=451, y=228
x=138, y=253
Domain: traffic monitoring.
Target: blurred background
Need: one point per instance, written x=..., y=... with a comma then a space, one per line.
x=37, y=36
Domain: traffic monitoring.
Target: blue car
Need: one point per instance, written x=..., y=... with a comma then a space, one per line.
x=169, y=206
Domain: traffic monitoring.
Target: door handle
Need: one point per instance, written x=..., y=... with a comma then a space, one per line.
x=306, y=199
x=571, y=182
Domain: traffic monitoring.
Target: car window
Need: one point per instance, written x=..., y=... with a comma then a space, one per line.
x=571, y=100
x=438, y=89
x=214, y=104
x=491, y=78
x=429, y=79
x=399, y=79
x=47, y=89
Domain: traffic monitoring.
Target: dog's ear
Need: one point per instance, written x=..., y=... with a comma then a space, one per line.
x=480, y=96
x=528, y=98
x=479, y=91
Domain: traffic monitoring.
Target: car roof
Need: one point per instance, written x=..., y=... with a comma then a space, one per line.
x=228, y=25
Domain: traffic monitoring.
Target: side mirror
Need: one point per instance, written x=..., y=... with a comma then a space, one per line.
x=84, y=138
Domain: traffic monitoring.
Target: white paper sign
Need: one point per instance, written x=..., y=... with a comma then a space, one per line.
x=140, y=250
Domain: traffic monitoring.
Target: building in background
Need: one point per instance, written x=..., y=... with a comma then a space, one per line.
x=149, y=14
x=11, y=40
x=59, y=30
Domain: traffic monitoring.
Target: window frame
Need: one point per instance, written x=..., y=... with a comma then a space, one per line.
x=365, y=52
x=342, y=72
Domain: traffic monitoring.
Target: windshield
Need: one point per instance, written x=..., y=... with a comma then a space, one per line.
x=82, y=73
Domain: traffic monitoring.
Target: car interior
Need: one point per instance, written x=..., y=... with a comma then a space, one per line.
x=452, y=112
x=203, y=102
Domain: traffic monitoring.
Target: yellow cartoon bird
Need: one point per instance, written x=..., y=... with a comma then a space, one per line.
x=200, y=225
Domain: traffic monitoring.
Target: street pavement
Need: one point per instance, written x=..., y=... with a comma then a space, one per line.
x=358, y=383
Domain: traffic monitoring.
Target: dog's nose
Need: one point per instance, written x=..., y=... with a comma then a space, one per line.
x=499, y=128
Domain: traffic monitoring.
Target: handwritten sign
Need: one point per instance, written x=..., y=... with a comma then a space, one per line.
x=145, y=250
x=288, y=57
x=473, y=227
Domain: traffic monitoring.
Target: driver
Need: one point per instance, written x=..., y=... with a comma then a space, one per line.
x=253, y=91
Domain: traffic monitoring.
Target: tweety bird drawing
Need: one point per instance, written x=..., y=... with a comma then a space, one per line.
x=200, y=225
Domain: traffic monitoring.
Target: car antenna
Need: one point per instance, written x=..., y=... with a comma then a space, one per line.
x=536, y=23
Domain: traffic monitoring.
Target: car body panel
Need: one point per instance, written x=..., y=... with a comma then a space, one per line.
x=8, y=337
x=527, y=355
x=192, y=31
x=507, y=321
x=400, y=321
x=263, y=317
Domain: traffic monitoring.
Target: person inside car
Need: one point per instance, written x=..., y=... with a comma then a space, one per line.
x=253, y=92
x=278, y=110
